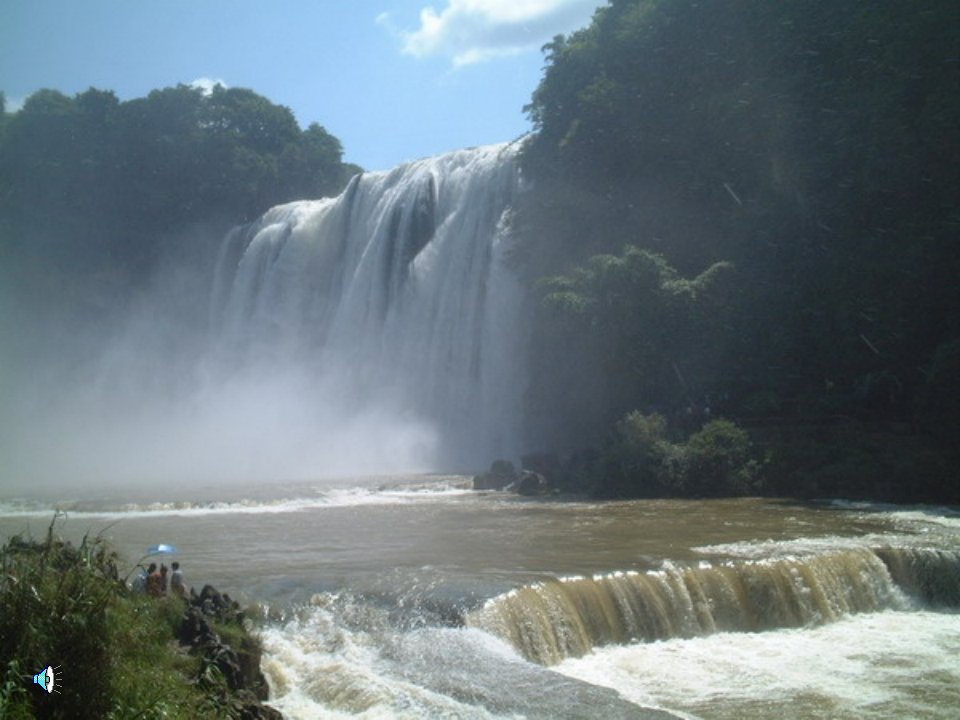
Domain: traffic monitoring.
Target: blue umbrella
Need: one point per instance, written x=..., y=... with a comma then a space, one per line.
x=161, y=549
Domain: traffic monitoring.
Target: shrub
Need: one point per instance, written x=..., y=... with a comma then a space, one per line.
x=641, y=461
x=719, y=461
x=65, y=606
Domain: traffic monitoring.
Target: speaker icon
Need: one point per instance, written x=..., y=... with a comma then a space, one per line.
x=47, y=679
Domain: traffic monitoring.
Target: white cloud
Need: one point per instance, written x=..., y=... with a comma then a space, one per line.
x=15, y=103
x=471, y=31
x=207, y=84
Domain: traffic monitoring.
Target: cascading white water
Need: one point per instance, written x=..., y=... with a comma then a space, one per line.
x=550, y=621
x=393, y=301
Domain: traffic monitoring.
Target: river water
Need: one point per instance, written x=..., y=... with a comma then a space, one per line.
x=410, y=597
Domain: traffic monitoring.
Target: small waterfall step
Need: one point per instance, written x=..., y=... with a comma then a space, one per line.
x=550, y=621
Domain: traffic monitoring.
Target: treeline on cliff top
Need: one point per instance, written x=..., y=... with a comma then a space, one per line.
x=96, y=185
x=751, y=208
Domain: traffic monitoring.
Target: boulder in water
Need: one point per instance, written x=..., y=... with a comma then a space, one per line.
x=530, y=483
x=501, y=474
x=546, y=463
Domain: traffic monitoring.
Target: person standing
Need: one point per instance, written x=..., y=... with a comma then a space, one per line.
x=139, y=584
x=154, y=581
x=177, y=586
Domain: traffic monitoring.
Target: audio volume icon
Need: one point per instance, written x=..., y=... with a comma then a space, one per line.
x=48, y=679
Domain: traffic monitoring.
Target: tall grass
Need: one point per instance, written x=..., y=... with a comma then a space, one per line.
x=64, y=605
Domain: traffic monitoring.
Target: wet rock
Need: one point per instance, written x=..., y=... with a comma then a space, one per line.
x=489, y=481
x=547, y=464
x=193, y=626
x=501, y=474
x=530, y=483
x=218, y=606
x=256, y=711
x=225, y=659
x=248, y=656
x=239, y=665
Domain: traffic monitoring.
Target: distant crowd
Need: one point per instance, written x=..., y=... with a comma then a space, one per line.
x=156, y=582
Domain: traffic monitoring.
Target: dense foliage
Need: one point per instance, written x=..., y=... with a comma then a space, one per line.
x=810, y=144
x=716, y=460
x=638, y=323
x=114, y=650
x=64, y=605
x=97, y=184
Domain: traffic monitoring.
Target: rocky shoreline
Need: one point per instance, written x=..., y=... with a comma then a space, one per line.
x=236, y=659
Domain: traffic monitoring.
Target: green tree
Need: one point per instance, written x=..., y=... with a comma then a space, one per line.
x=94, y=184
x=718, y=461
x=311, y=167
x=811, y=143
x=640, y=460
x=248, y=119
x=635, y=330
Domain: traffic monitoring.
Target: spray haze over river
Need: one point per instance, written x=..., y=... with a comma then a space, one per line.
x=271, y=414
x=376, y=332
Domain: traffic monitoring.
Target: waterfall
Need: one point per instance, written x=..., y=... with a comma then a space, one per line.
x=394, y=300
x=553, y=620
x=930, y=574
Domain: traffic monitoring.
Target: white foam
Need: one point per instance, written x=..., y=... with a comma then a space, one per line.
x=761, y=550
x=882, y=665
x=914, y=527
x=317, y=668
x=343, y=658
x=440, y=491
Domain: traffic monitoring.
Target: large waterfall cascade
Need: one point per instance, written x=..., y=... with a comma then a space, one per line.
x=394, y=299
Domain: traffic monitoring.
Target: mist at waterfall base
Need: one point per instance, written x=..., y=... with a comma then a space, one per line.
x=376, y=332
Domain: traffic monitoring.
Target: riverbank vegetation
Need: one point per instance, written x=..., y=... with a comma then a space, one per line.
x=114, y=652
x=798, y=161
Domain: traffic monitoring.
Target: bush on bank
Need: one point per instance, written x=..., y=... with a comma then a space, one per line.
x=642, y=460
x=66, y=606
x=648, y=456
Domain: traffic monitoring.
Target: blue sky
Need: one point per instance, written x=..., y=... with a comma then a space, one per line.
x=393, y=79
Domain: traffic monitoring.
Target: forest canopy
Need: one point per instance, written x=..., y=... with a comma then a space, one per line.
x=812, y=146
x=96, y=183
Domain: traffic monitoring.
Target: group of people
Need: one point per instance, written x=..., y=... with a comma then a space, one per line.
x=154, y=582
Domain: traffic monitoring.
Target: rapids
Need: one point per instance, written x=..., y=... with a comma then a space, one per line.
x=413, y=596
